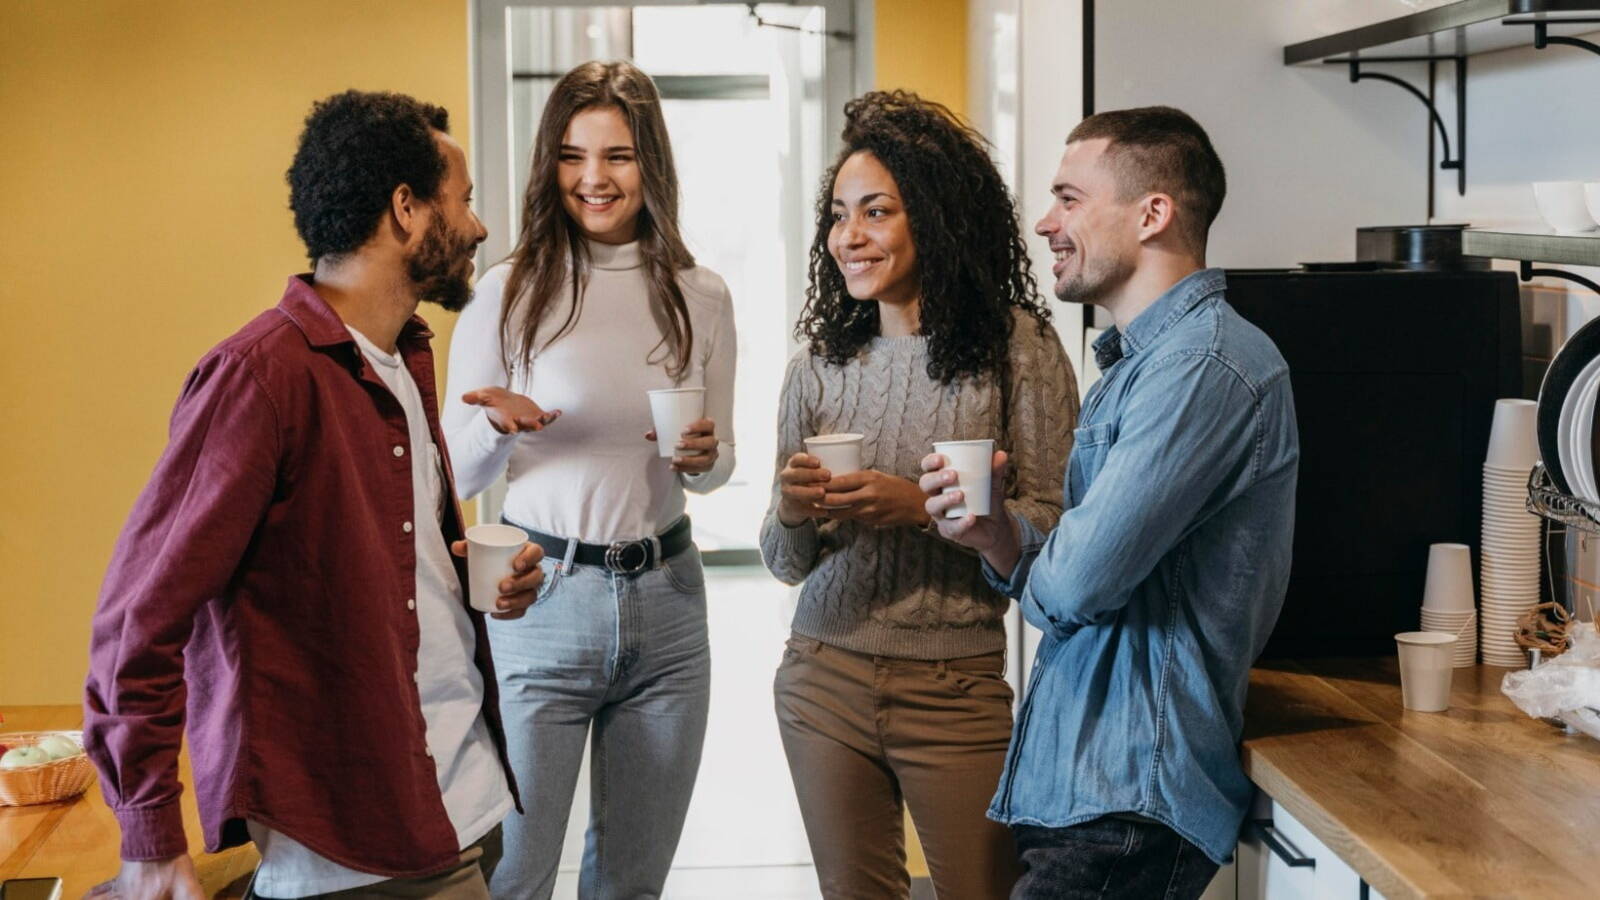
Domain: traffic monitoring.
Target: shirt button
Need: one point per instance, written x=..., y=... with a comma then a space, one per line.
x=399, y=450
x=411, y=603
x=406, y=528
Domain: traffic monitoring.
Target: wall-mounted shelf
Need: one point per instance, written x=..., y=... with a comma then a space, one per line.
x=1450, y=33
x=1529, y=247
x=1464, y=28
x=1533, y=246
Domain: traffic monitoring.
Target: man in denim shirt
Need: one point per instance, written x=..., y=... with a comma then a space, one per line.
x=1158, y=587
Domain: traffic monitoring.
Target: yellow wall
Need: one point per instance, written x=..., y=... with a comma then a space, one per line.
x=921, y=45
x=145, y=218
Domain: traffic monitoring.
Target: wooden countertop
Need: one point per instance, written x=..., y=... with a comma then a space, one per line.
x=1479, y=800
x=78, y=840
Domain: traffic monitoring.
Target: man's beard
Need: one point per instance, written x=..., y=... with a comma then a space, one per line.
x=437, y=268
x=1094, y=281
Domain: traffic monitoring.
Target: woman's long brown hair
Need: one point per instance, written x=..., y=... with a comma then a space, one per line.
x=549, y=245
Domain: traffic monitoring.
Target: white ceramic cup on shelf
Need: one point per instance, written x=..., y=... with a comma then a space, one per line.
x=1513, y=436
x=974, y=465
x=673, y=410
x=1591, y=199
x=840, y=454
x=490, y=550
x=1427, y=665
x=1449, y=584
x=1562, y=206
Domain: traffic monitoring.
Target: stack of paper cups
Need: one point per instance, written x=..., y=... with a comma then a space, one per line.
x=1509, y=561
x=1448, y=605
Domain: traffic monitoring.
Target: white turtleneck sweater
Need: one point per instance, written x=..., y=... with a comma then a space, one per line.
x=590, y=475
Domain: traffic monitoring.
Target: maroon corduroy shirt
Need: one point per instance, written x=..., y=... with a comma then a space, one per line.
x=266, y=578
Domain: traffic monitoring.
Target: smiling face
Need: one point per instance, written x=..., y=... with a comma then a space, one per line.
x=439, y=262
x=1093, y=233
x=871, y=235
x=598, y=175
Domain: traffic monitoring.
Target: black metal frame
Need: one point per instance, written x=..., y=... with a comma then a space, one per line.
x=1459, y=163
x=1542, y=38
x=1527, y=272
x=1267, y=831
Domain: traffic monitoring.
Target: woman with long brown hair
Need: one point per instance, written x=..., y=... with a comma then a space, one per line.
x=599, y=303
x=923, y=323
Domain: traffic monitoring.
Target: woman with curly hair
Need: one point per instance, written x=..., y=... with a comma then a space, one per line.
x=924, y=325
x=599, y=303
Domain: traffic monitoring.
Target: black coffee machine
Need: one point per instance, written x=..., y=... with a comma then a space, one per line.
x=1396, y=364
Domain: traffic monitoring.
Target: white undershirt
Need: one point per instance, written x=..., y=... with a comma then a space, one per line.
x=591, y=475
x=471, y=781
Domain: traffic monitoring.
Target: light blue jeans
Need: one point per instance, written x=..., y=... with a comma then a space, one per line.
x=629, y=656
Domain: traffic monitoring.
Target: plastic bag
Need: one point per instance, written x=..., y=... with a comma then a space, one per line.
x=1567, y=687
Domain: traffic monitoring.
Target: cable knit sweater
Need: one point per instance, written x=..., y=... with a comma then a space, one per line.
x=903, y=592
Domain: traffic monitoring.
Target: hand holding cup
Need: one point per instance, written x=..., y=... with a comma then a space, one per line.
x=696, y=447
x=503, y=571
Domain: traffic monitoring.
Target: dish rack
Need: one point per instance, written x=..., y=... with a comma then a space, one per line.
x=1549, y=502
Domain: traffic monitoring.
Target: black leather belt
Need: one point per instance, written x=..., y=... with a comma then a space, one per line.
x=622, y=557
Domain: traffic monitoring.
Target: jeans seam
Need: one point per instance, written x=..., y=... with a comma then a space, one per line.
x=1177, y=868
x=1124, y=853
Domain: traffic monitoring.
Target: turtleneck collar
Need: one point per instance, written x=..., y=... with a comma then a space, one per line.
x=614, y=256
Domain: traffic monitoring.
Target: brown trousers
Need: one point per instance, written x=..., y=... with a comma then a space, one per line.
x=469, y=880
x=865, y=734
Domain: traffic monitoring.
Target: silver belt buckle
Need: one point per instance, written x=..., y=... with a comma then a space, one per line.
x=616, y=557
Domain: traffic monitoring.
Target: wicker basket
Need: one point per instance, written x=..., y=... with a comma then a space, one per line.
x=58, y=779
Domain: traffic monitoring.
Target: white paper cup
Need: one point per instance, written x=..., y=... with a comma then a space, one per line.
x=672, y=411
x=490, y=550
x=840, y=453
x=974, y=465
x=1513, y=440
x=1449, y=584
x=1427, y=662
x=1561, y=205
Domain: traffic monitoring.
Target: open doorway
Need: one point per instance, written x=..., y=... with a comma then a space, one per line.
x=753, y=96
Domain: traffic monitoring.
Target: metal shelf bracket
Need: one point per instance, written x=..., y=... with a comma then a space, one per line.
x=1542, y=38
x=1459, y=161
x=1528, y=272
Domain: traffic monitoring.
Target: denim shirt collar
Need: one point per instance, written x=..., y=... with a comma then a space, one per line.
x=1150, y=324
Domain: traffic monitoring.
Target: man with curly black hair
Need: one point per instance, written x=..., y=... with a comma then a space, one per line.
x=1159, y=583
x=291, y=579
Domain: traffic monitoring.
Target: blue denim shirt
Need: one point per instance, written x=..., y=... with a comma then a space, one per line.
x=1158, y=587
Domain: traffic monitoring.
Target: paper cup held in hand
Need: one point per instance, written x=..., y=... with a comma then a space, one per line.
x=490, y=550
x=1426, y=668
x=840, y=453
x=673, y=410
x=973, y=463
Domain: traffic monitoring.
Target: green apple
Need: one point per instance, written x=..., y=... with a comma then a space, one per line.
x=59, y=746
x=26, y=755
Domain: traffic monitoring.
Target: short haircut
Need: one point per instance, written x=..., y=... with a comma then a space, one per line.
x=1159, y=149
x=357, y=147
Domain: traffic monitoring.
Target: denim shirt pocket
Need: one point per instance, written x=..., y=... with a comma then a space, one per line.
x=1089, y=446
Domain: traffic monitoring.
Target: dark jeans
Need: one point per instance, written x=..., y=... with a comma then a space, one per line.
x=1109, y=858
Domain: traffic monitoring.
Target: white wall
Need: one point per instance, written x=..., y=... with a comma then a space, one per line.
x=1310, y=157
x=1530, y=117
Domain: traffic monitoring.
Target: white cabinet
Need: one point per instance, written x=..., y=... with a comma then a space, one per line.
x=1226, y=885
x=1283, y=861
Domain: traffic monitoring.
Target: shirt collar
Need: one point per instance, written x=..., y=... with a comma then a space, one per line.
x=1171, y=306
x=322, y=326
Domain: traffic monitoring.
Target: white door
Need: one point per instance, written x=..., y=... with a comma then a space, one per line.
x=754, y=110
